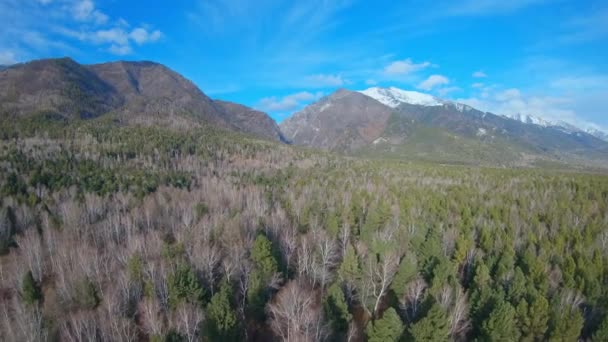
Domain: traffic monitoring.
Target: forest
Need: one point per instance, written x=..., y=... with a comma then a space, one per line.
x=141, y=233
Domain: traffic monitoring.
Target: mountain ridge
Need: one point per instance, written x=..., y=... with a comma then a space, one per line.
x=453, y=131
x=140, y=92
x=393, y=97
x=382, y=121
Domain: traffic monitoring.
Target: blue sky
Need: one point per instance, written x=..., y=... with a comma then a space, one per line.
x=540, y=57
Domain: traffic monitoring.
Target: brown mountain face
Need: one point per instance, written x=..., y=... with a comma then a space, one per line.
x=153, y=92
x=135, y=92
x=249, y=120
x=58, y=86
x=343, y=121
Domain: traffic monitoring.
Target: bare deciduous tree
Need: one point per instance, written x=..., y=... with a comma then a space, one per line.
x=152, y=316
x=379, y=270
x=326, y=260
x=305, y=257
x=19, y=322
x=187, y=320
x=414, y=294
x=459, y=320
x=295, y=314
x=81, y=327
x=31, y=246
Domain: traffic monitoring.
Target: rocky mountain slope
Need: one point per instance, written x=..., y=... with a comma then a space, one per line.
x=422, y=126
x=343, y=121
x=134, y=92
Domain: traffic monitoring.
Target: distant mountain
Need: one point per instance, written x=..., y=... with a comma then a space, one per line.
x=561, y=125
x=134, y=92
x=598, y=133
x=394, y=97
x=343, y=121
x=408, y=124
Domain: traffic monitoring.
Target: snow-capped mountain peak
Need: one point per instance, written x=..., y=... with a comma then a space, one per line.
x=561, y=125
x=393, y=97
x=529, y=119
x=600, y=134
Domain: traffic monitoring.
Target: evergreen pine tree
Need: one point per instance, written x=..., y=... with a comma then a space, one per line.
x=264, y=267
x=386, y=329
x=501, y=324
x=517, y=287
x=601, y=334
x=432, y=328
x=336, y=309
x=87, y=296
x=184, y=286
x=566, y=326
x=30, y=290
x=222, y=320
x=406, y=273
x=350, y=270
x=533, y=318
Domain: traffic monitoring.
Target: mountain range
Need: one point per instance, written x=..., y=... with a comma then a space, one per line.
x=133, y=92
x=376, y=122
x=394, y=123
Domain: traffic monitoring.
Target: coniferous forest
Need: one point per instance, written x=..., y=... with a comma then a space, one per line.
x=141, y=233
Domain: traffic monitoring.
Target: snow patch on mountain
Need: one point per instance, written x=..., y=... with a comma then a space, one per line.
x=461, y=107
x=393, y=97
x=528, y=119
x=561, y=125
x=600, y=134
x=379, y=140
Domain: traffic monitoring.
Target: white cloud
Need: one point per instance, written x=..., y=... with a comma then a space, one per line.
x=84, y=10
x=7, y=58
x=371, y=82
x=141, y=36
x=287, y=103
x=78, y=28
x=433, y=81
x=77, y=20
x=447, y=90
x=323, y=80
x=405, y=67
x=479, y=74
x=477, y=85
x=120, y=50
x=508, y=95
x=114, y=36
x=597, y=81
x=117, y=37
x=475, y=103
